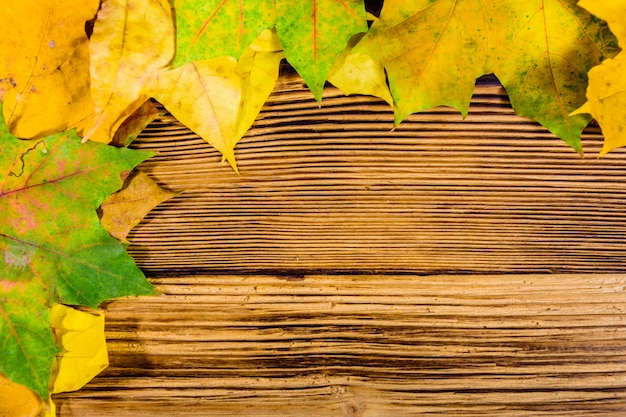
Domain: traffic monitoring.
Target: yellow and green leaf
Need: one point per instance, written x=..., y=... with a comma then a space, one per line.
x=606, y=93
x=543, y=64
x=540, y=51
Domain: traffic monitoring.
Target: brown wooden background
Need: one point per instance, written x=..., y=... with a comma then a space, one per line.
x=447, y=267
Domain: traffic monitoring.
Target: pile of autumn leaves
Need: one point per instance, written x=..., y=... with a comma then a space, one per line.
x=77, y=76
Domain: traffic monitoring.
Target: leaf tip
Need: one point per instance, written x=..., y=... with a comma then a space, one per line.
x=398, y=116
x=229, y=157
x=606, y=148
x=580, y=151
x=318, y=95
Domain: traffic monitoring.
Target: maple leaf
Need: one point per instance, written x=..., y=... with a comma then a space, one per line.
x=606, y=93
x=208, y=29
x=123, y=210
x=359, y=73
x=423, y=46
x=540, y=50
x=205, y=96
x=314, y=32
x=132, y=40
x=52, y=246
x=82, y=344
x=219, y=98
x=44, y=64
x=258, y=69
x=544, y=67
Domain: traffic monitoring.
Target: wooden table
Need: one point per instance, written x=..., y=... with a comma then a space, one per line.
x=447, y=267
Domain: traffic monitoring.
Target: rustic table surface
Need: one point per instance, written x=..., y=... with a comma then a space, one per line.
x=446, y=267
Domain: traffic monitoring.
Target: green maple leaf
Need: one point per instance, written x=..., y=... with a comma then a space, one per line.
x=53, y=248
x=541, y=51
x=315, y=32
x=208, y=29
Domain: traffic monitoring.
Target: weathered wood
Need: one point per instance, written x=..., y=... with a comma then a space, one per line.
x=331, y=188
x=351, y=270
x=365, y=345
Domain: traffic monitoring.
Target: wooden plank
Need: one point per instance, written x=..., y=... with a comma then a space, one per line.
x=365, y=345
x=333, y=188
x=351, y=270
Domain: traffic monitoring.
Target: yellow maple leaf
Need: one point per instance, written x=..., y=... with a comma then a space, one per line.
x=359, y=73
x=606, y=92
x=432, y=52
x=220, y=98
x=80, y=335
x=205, y=97
x=44, y=65
x=258, y=69
x=132, y=40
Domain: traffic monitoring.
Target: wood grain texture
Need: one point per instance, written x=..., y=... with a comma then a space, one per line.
x=332, y=188
x=365, y=345
x=448, y=267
